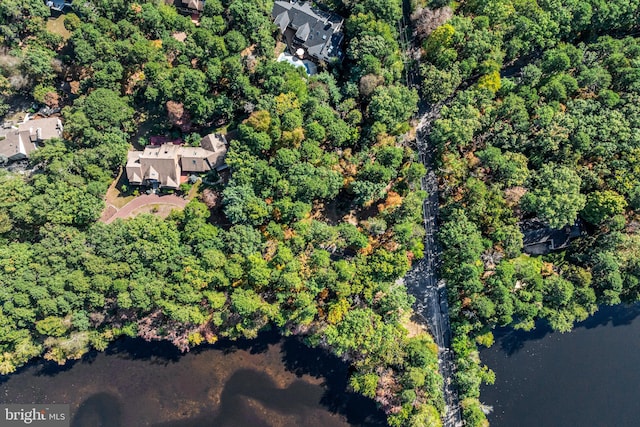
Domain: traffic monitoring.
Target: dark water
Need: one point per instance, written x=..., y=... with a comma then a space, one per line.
x=264, y=382
x=589, y=377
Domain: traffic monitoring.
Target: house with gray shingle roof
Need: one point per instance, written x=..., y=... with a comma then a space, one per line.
x=316, y=32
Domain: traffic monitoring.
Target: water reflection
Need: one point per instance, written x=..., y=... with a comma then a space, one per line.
x=99, y=410
x=264, y=382
x=587, y=377
x=512, y=341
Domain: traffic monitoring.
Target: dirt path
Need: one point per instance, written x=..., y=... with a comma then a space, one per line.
x=140, y=202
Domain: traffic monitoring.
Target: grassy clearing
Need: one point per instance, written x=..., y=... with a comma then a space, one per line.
x=115, y=196
x=193, y=192
x=56, y=26
x=158, y=209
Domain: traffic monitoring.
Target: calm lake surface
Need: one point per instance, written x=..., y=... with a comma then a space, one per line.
x=589, y=377
x=265, y=382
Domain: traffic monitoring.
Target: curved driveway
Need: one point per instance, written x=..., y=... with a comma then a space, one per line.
x=144, y=200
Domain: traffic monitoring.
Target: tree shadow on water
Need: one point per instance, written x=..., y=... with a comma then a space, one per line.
x=512, y=341
x=156, y=352
x=99, y=410
x=51, y=369
x=245, y=385
x=614, y=315
x=253, y=346
x=256, y=385
x=297, y=401
x=318, y=363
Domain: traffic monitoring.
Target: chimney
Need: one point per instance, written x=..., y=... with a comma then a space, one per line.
x=39, y=134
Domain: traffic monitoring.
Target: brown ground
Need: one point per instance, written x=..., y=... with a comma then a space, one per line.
x=415, y=329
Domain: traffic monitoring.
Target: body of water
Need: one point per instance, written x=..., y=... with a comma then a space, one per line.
x=264, y=382
x=589, y=377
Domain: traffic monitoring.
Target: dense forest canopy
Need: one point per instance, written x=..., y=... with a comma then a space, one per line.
x=320, y=217
x=538, y=123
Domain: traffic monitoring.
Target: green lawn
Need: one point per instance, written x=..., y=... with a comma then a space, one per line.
x=56, y=26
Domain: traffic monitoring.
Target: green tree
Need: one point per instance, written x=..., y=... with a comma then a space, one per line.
x=555, y=196
x=392, y=106
x=602, y=205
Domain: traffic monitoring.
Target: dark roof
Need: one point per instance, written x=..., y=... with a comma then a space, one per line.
x=538, y=237
x=58, y=5
x=319, y=32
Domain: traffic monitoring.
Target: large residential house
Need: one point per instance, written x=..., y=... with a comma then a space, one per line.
x=163, y=165
x=317, y=33
x=190, y=7
x=538, y=239
x=19, y=142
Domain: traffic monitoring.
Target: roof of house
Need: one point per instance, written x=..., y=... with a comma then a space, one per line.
x=19, y=143
x=57, y=5
x=537, y=236
x=197, y=159
x=164, y=151
x=42, y=129
x=319, y=32
x=16, y=145
x=165, y=163
x=155, y=163
x=214, y=142
x=134, y=168
x=193, y=4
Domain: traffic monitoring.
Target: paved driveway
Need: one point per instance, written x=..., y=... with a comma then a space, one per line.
x=112, y=213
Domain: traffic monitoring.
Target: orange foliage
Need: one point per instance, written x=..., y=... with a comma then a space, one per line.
x=547, y=269
x=367, y=250
x=393, y=200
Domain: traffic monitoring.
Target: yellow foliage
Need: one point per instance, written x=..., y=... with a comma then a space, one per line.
x=440, y=38
x=486, y=339
x=259, y=120
x=337, y=311
x=490, y=82
x=286, y=102
x=384, y=139
x=547, y=269
x=195, y=338
x=292, y=138
x=393, y=200
x=367, y=250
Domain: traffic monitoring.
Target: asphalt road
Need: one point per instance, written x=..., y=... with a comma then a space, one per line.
x=423, y=282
